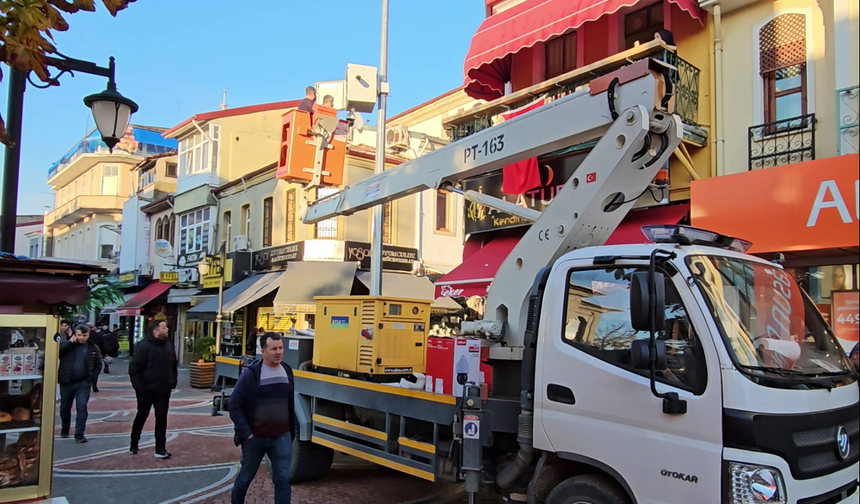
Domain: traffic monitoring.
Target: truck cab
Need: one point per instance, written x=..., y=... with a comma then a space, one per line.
x=765, y=401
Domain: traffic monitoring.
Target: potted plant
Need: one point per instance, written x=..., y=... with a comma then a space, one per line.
x=202, y=371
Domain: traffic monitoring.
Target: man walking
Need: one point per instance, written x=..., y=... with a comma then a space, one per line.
x=80, y=360
x=264, y=418
x=153, y=375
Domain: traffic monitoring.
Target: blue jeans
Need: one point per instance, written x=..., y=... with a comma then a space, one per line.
x=80, y=393
x=280, y=452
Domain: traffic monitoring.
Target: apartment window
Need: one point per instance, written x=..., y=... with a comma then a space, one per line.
x=443, y=212
x=227, y=225
x=147, y=177
x=34, y=247
x=326, y=229
x=165, y=228
x=106, y=252
x=267, y=222
x=387, y=227
x=158, y=233
x=170, y=170
x=110, y=179
x=199, y=153
x=172, y=234
x=194, y=231
x=291, y=216
x=560, y=55
x=641, y=25
x=782, y=64
x=246, y=220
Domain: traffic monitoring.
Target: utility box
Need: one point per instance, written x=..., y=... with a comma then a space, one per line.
x=380, y=337
x=297, y=349
x=360, y=84
x=299, y=146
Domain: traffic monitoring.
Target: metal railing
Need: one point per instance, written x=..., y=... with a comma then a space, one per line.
x=847, y=120
x=784, y=142
x=684, y=76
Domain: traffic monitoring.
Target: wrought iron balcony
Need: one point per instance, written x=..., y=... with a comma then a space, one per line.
x=779, y=143
x=685, y=78
x=847, y=120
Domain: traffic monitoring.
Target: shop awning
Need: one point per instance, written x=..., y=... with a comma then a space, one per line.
x=181, y=296
x=473, y=277
x=302, y=281
x=488, y=63
x=401, y=285
x=240, y=295
x=131, y=308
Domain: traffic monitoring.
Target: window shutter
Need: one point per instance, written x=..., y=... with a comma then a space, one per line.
x=782, y=42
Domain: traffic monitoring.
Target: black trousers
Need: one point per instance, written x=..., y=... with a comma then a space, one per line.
x=146, y=401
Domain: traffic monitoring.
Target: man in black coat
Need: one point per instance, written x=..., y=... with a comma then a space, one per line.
x=153, y=375
x=80, y=361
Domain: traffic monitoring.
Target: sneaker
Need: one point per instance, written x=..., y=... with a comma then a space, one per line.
x=133, y=451
x=80, y=439
x=162, y=454
x=64, y=434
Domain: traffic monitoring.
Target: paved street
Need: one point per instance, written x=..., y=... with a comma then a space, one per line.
x=204, y=461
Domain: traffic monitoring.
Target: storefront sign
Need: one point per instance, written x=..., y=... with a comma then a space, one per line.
x=324, y=250
x=212, y=278
x=168, y=277
x=393, y=258
x=274, y=257
x=805, y=206
x=845, y=316
x=163, y=249
x=128, y=279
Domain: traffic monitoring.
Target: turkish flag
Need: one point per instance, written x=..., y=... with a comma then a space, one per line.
x=591, y=178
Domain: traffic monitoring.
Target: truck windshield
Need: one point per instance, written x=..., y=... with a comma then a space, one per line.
x=771, y=329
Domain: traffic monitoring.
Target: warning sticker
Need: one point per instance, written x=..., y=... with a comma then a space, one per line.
x=471, y=427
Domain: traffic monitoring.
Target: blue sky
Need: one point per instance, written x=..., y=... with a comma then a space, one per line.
x=175, y=56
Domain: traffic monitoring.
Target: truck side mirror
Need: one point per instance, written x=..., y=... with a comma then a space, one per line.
x=640, y=301
x=640, y=357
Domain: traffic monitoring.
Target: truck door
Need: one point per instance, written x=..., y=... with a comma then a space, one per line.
x=593, y=406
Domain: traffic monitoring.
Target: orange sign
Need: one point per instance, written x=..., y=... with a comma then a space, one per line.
x=845, y=318
x=805, y=206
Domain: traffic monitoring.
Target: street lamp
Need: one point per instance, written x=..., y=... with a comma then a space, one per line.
x=111, y=112
x=203, y=267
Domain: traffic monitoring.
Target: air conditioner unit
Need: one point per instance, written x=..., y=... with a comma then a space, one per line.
x=241, y=243
x=397, y=138
x=147, y=269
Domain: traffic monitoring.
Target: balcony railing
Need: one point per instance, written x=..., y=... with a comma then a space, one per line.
x=685, y=78
x=847, y=120
x=779, y=143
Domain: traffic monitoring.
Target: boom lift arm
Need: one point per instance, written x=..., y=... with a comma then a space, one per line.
x=633, y=146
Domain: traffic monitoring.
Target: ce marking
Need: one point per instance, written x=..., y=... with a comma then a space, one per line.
x=543, y=235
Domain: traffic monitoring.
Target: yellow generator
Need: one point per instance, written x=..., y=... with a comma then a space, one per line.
x=379, y=337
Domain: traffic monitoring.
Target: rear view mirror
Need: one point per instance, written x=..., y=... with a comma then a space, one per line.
x=640, y=357
x=640, y=302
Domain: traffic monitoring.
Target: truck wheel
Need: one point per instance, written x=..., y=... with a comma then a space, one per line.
x=587, y=489
x=310, y=461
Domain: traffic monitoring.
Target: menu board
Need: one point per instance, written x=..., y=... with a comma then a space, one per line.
x=845, y=315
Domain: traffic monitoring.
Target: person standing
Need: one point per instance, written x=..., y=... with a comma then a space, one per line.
x=308, y=104
x=263, y=413
x=80, y=359
x=153, y=376
x=65, y=332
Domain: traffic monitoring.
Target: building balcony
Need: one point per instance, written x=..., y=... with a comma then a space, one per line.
x=847, y=120
x=779, y=143
x=684, y=76
x=82, y=161
x=81, y=206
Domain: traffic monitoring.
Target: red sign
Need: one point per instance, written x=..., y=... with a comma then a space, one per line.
x=780, y=317
x=845, y=315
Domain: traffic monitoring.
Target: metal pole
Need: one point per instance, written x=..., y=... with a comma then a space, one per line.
x=12, y=160
x=382, y=94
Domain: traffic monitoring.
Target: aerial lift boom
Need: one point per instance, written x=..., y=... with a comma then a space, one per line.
x=625, y=110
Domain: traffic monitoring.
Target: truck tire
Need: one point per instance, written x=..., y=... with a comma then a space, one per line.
x=587, y=489
x=310, y=461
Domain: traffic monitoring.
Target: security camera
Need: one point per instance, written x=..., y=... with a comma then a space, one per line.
x=350, y=118
x=462, y=370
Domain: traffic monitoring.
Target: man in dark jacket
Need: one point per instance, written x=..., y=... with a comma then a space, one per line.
x=153, y=375
x=263, y=413
x=80, y=360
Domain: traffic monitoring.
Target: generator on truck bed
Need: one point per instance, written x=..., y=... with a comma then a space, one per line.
x=680, y=371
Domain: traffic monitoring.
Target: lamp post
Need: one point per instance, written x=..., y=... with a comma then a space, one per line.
x=203, y=268
x=379, y=166
x=111, y=112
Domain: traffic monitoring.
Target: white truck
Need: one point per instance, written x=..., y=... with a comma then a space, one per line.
x=682, y=371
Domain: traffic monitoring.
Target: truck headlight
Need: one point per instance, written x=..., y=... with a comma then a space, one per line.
x=752, y=484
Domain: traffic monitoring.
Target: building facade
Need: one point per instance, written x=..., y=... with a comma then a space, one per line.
x=29, y=238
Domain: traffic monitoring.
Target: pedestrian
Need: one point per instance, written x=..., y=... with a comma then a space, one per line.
x=79, y=360
x=263, y=413
x=111, y=342
x=153, y=376
x=65, y=331
x=97, y=338
x=854, y=358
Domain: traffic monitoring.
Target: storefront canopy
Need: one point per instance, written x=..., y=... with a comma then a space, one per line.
x=302, y=281
x=488, y=63
x=240, y=295
x=401, y=285
x=473, y=277
x=131, y=308
x=181, y=296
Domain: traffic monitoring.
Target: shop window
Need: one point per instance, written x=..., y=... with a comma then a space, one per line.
x=597, y=322
x=267, y=222
x=291, y=216
x=560, y=55
x=641, y=25
x=782, y=64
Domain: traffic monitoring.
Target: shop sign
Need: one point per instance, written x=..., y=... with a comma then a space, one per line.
x=393, y=258
x=163, y=249
x=274, y=257
x=324, y=250
x=845, y=315
x=212, y=278
x=128, y=279
x=168, y=277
